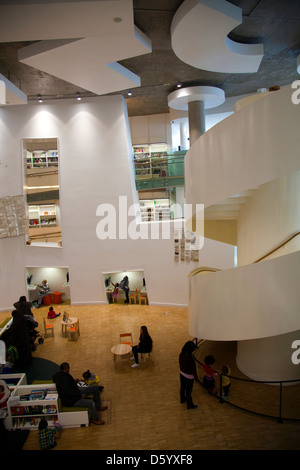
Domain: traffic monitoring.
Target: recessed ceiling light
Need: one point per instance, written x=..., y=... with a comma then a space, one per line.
x=117, y=20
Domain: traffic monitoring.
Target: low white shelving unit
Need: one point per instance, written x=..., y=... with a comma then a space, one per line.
x=28, y=404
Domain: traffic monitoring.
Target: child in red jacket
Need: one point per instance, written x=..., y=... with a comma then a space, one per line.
x=52, y=314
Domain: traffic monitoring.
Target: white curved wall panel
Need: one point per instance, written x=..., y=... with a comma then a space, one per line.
x=199, y=37
x=249, y=302
x=255, y=145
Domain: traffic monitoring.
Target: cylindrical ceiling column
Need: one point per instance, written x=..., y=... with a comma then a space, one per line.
x=196, y=100
x=196, y=113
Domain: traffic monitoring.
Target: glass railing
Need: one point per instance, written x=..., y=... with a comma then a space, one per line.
x=160, y=171
x=279, y=399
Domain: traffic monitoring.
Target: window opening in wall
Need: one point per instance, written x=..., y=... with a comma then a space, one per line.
x=41, y=186
x=137, y=292
x=57, y=279
x=159, y=177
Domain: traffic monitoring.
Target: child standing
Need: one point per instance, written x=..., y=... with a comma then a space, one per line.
x=209, y=375
x=52, y=314
x=46, y=435
x=226, y=381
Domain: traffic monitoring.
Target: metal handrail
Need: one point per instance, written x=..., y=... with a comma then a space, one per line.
x=285, y=242
x=279, y=418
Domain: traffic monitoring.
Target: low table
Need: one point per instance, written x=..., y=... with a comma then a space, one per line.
x=121, y=350
x=66, y=324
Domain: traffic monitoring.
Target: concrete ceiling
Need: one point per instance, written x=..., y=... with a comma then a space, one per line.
x=273, y=23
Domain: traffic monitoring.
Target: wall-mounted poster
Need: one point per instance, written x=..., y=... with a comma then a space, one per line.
x=186, y=246
x=13, y=219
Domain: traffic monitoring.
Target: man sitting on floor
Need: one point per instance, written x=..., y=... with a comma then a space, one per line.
x=73, y=395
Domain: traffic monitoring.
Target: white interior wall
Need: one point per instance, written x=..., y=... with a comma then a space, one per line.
x=95, y=168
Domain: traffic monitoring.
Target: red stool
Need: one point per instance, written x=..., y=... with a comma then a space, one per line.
x=57, y=297
x=47, y=299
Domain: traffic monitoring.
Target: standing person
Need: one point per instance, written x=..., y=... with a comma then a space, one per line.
x=226, y=381
x=17, y=337
x=209, y=374
x=124, y=285
x=73, y=395
x=23, y=306
x=144, y=346
x=188, y=374
x=44, y=289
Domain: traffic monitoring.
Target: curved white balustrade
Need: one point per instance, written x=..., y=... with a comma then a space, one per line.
x=249, y=302
x=255, y=145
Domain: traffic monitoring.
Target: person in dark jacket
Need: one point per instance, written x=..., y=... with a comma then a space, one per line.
x=23, y=306
x=72, y=395
x=17, y=336
x=124, y=285
x=188, y=374
x=144, y=346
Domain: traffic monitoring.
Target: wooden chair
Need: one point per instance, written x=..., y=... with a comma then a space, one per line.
x=133, y=297
x=147, y=355
x=126, y=338
x=65, y=317
x=142, y=297
x=74, y=331
x=48, y=328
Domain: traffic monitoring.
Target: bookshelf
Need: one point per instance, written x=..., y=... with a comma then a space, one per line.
x=42, y=158
x=42, y=215
x=28, y=404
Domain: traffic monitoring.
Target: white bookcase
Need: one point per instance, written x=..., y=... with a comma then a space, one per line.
x=42, y=215
x=28, y=404
x=155, y=210
x=150, y=160
x=42, y=158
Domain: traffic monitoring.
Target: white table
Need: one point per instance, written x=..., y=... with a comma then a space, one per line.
x=67, y=323
x=121, y=349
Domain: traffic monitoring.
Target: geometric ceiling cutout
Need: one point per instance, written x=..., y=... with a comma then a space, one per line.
x=90, y=62
x=77, y=41
x=199, y=38
x=10, y=94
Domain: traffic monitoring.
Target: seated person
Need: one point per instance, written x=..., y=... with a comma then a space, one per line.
x=43, y=289
x=144, y=346
x=23, y=306
x=52, y=314
x=72, y=395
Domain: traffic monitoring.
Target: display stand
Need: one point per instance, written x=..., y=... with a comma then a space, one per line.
x=28, y=404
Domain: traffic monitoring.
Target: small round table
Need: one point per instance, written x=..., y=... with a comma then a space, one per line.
x=66, y=324
x=121, y=350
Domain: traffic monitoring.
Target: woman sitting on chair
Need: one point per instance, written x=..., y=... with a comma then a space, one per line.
x=144, y=346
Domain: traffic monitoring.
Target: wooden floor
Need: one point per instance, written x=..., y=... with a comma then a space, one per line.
x=144, y=412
